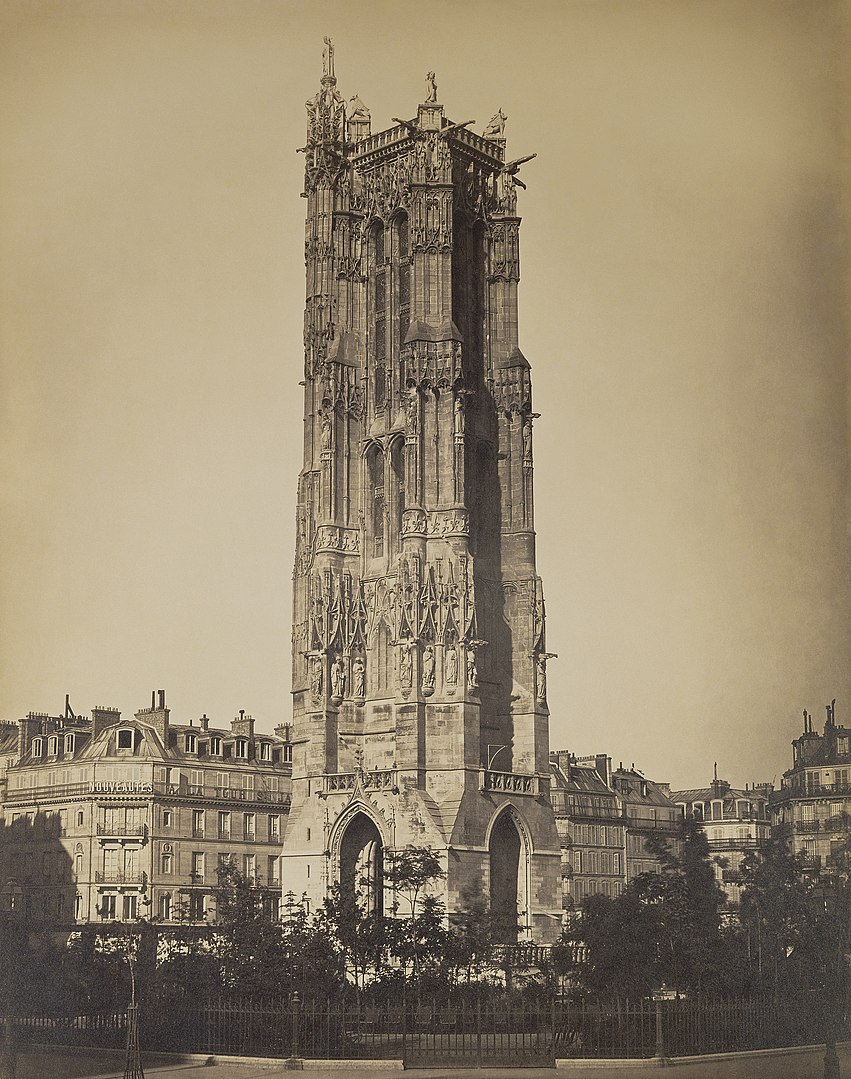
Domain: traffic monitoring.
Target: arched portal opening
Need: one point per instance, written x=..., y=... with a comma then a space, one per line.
x=505, y=849
x=362, y=864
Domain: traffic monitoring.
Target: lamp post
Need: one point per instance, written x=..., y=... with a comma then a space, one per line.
x=133, y=1064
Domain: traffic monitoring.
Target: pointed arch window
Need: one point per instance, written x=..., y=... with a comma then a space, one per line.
x=379, y=326
x=375, y=501
x=403, y=272
x=397, y=494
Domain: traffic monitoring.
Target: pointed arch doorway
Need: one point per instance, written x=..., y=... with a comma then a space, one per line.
x=362, y=864
x=507, y=857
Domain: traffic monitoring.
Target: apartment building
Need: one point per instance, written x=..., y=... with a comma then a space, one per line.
x=811, y=811
x=106, y=818
x=735, y=822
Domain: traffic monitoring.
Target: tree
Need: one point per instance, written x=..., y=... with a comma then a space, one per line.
x=776, y=912
x=248, y=943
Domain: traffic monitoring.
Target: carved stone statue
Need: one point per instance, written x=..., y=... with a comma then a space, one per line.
x=542, y=678
x=326, y=432
x=338, y=678
x=358, y=678
x=459, y=416
x=431, y=88
x=316, y=678
x=328, y=57
x=406, y=667
x=412, y=417
x=451, y=669
x=495, y=128
x=472, y=671
x=357, y=109
x=428, y=667
x=527, y=440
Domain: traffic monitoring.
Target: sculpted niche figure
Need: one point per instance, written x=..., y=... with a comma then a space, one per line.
x=316, y=678
x=412, y=411
x=358, y=677
x=338, y=678
x=451, y=665
x=542, y=678
x=428, y=667
x=406, y=667
x=472, y=672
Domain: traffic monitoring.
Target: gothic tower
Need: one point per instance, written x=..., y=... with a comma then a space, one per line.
x=419, y=655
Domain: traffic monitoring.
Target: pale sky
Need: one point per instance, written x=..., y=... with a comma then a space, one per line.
x=683, y=306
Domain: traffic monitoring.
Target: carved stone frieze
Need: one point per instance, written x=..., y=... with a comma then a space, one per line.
x=453, y=522
x=504, y=261
x=512, y=389
x=432, y=363
x=431, y=219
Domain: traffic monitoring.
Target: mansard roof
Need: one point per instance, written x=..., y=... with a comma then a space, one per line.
x=707, y=794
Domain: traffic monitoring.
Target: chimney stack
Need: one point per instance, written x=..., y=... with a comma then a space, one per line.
x=157, y=715
x=103, y=718
x=243, y=724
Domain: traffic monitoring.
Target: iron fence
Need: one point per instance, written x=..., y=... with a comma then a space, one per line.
x=464, y=1033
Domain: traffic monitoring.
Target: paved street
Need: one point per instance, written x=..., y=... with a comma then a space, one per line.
x=802, y=1065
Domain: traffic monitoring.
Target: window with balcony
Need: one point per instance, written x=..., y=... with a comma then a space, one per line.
x=249, y=825
x=197, y=822
x=274, y=827
x=196, y=906
x=224, y=824
x=249, y=866
x=274, y=869
x=198, y=865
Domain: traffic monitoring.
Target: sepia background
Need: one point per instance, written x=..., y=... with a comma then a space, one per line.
x=683, y=305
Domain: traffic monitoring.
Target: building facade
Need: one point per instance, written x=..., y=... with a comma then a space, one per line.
x=736, y=822
x=648, y=812
x=109, y=819
x=811, y=811
x=604, y=818
x=419, y=651
x=591, y=826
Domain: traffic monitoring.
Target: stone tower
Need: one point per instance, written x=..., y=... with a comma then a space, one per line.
x=419, y=655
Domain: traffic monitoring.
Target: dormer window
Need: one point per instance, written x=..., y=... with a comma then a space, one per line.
x=124, y=738
x=242, y=748
x=53, y=746
x=37, y=748
x=697, y=810
x=265, y=751
x=69, y=744
x=215, y=746
x=191, y=743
